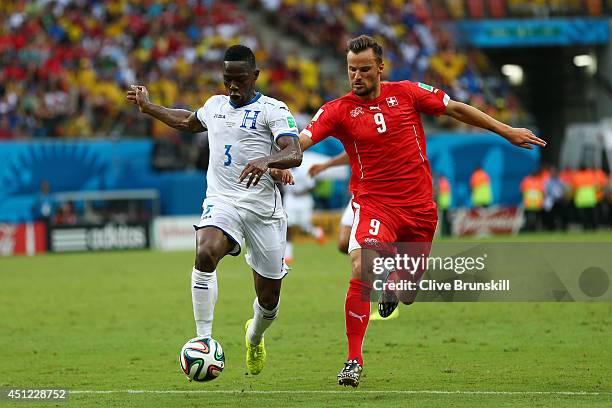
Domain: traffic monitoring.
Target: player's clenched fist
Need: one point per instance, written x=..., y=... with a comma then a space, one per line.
x=138, y=95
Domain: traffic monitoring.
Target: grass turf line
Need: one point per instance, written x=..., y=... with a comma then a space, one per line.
x=116, y=321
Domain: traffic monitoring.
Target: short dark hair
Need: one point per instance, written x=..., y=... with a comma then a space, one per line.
x=364, y=42
x=240, y=53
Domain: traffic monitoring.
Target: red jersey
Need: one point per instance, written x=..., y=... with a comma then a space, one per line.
x=355, y=176
x=384, y=139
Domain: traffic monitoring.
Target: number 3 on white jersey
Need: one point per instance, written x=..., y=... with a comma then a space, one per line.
x=379, y=119
x=375, y=224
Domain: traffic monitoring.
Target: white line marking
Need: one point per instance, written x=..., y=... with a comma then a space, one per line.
x=416, y=137
x=358, y=159
x=441, y=392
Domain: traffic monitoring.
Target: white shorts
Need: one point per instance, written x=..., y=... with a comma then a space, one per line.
x=353, y=244
x=265, y=238
x=299, y=211
x=347, y=216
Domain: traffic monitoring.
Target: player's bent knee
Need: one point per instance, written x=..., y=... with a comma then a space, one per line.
x=207, y=257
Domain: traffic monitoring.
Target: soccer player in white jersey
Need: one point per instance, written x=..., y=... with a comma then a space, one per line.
x=250, y=135
x=299, y=206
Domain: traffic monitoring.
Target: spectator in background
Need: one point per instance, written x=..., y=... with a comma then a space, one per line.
x=68, y=62
x=448, y=64
x=554, y=194
x=585, y=196
x=443, y=194
x=66, y=215
x=532, y=188
x=44, y=206
x=482, y=194
x=416, y=45
x=5, y=128
x=568, y=211
x=601, y=213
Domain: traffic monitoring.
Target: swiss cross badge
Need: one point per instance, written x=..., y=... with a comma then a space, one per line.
x=392, y=101
x=356, y=112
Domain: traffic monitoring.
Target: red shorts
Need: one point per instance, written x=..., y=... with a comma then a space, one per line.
x=379, y=226
x=395, y=231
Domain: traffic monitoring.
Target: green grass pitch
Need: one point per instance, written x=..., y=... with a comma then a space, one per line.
x=116, y=322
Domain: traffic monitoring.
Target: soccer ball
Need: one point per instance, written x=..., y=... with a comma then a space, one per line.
x=202, y=359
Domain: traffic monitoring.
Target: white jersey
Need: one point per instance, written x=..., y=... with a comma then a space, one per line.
x=237, y=135
x=303, y=183
x=298, y=201
x=297, y=196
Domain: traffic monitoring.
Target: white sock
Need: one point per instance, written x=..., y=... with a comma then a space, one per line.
x=204, y=296
x=289, y=250
x=262, y=319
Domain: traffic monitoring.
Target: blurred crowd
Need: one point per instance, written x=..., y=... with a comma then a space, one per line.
x=477, y=9
x=417, y=46
x=66, y=64
x=553, y=199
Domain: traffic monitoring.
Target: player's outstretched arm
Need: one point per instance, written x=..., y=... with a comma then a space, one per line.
x=179, y=119
x=305, y=142
x=338, y=160
x=289, y=156
x=520, y=137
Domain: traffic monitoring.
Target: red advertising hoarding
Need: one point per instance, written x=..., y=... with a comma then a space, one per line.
x=22, y=239
x=486, y=221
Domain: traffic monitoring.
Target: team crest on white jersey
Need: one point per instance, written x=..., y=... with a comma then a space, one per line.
x=357, y=111
x=392, y=101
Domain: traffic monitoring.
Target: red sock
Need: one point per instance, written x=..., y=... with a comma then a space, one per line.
x=356, y=316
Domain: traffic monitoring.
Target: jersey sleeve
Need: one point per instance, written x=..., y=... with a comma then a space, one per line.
x=322, y=124
x=281, y=121
x=201, y=112
x=427, y=99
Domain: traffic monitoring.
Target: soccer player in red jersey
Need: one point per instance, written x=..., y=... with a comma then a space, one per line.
x=380, y=127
